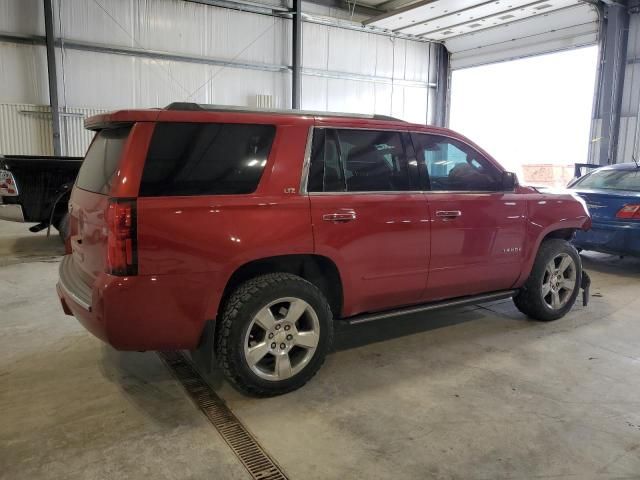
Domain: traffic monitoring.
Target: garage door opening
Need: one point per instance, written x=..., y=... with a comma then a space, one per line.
x=533, y=114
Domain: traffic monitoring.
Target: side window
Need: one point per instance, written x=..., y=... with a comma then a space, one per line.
x=359, y=161
x=206, y=158
x=452, y=165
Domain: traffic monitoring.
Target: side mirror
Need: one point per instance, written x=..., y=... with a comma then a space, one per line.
x=509, y=181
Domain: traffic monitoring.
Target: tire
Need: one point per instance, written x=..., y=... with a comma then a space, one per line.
x=264, y=320
x=549, y=293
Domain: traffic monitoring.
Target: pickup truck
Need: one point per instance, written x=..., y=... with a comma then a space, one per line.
x=35, y=189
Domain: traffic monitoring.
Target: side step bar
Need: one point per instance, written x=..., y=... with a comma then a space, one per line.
x=427, y=307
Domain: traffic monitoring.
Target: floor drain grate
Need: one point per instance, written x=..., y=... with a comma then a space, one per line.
x=258, y=463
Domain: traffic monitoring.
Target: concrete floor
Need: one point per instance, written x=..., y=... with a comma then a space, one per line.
x=477, y=393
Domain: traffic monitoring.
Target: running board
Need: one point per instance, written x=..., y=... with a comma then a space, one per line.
x=428, y=307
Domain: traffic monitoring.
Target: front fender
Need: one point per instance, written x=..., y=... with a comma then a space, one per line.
x=546, y=214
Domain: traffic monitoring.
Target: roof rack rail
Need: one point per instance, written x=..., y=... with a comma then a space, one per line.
x=190, y=107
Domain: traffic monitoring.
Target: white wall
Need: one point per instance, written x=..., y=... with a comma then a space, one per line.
x=343, y=70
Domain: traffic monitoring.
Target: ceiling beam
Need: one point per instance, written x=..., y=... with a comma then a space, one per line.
x=344, y=5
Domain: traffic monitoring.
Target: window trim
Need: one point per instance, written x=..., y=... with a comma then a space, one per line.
x=424, y=170
x=306, y=166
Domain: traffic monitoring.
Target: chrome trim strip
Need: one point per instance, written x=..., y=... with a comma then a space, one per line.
x=400, y=192
x=448, y=213
x=11, y=212
x=458, y=302
x=306, y=164
x=65, y=282
x=73, y=296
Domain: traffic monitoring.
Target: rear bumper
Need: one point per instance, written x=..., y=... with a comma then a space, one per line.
x=619, y=238
x=145, y=312
x=11, y=212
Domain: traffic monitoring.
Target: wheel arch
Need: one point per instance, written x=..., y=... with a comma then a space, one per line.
x=562, y=232
x=319, y=270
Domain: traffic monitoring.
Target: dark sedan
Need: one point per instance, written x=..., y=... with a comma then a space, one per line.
x=612, y=194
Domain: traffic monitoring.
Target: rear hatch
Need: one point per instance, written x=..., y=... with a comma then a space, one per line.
x=90, y=202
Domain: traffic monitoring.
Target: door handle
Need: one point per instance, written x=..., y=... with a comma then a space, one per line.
x=339, y=217
x=448, y=214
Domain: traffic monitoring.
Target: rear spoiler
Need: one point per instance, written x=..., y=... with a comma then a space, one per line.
x=578, y=169
x=120, y=117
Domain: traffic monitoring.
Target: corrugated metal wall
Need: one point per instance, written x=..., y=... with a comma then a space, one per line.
x=26, y=130
x=351, y=71
x=343, y=70
x=629, y=134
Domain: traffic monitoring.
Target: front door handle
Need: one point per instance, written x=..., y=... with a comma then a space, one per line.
x=341, y=217
x=448, y=214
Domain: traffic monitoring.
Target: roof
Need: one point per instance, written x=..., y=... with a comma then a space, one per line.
x=178, y=111
x=620, y=166
x=190, y=107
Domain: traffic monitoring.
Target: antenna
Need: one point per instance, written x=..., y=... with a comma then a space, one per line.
x=635, y=160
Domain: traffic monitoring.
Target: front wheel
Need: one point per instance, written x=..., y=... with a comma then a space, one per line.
x=274, y=334
x=554, y=282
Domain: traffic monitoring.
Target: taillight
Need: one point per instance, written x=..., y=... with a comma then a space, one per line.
x=121, y=238
x=630, y=211
x=8, y=186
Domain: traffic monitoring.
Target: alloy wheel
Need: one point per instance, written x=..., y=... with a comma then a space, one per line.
x=282, y=338
x=559, y=281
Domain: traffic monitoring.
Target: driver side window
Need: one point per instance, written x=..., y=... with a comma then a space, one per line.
x=453, y=166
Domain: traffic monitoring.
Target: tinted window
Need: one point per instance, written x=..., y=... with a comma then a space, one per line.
x=359, y=161
x=452, y=165
x=206, y=159
x=612, y=180
x=101, y=161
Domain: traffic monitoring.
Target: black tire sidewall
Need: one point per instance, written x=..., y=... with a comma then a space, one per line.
x=291, y=287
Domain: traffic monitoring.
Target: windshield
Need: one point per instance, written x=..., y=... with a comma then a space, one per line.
x=628, y=180
x=102, y=160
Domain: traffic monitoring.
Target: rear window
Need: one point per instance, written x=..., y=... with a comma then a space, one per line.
x=628, y=180
x=101, y=160
x=206, y=159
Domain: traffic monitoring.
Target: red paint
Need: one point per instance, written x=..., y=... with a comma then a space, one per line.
x=396, y=252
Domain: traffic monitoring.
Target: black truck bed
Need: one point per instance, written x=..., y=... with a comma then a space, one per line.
x=41, y=180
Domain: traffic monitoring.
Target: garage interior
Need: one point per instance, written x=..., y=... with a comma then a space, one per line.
x=479, y=392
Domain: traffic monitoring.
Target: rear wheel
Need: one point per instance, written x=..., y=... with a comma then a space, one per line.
x=274, y=334
x=554, y=282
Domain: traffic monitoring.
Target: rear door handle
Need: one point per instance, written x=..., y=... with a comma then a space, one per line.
x=448, y=214
x=341, y=217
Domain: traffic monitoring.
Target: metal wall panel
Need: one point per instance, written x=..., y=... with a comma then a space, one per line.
x=76, y=138
x=367, y=73
x=22, y=16
x=23, y=74
x=344, y=70
x=629, y=135
x=25, y=129
x=177, y=26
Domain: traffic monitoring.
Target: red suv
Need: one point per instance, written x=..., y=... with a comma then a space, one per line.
x=267, y=226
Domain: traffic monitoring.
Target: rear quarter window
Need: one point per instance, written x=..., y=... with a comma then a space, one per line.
x=206, y=159
x=102, y=160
